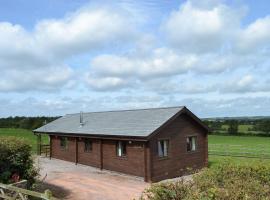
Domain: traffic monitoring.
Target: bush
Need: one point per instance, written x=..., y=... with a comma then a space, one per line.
x=16, y=162
x=225, y=181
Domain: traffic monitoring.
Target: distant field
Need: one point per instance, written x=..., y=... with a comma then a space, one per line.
x=23, y=133
x=242, y=128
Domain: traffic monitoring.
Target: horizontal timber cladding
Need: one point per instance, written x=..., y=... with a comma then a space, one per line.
x=132, y=163
x=178, y=159
x=68, y=154
x=92, y=157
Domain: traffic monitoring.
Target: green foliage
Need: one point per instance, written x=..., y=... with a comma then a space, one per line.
x=233, y=127
x=24, y=122
x=263, y=125
x=25, y=134
x=239, y=126
x=226, y=181
x=16, y=160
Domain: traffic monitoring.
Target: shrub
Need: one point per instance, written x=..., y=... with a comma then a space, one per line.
x=225, y=181
x=16, y=162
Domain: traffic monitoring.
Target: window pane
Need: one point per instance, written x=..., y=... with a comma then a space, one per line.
x=160, y=152
x=163, y=148
x=121, y=149
x=63, y=142
x=119, y=152
x=87, y=145
x=188, y=144
x=124, y=148
x=193, y=143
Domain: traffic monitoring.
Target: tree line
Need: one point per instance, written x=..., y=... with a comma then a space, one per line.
x=25, y=122
x=256, y=127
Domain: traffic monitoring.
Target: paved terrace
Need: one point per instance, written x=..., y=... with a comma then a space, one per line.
x=80, y=182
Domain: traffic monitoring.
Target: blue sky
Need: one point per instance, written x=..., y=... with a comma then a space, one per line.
x=59, y=57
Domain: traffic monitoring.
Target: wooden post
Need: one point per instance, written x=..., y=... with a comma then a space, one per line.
x=76, y=151
x=38, y=144
x=101, y=154
x=145, y=162
x=206, y=150
x=50, y=138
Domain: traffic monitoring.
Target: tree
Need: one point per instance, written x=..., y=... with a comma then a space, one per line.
x=264, y=126
x=233, y=127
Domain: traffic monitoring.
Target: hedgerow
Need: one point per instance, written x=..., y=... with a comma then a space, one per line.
x=226, y=181
x=16, y=162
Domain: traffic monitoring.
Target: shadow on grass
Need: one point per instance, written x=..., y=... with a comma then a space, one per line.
x=57, y=191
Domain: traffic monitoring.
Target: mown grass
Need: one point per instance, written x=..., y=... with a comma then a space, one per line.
x=244, y=141
x=27, y=135
x=237, y=145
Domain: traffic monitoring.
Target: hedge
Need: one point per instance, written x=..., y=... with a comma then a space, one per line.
x=226, y=181
x=16, y=162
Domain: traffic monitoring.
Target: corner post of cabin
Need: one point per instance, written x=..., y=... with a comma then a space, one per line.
x=147, y=162
x=101, y=153
x=50, y=140
x=206, y=150
x=38, y=144
x=76, y=150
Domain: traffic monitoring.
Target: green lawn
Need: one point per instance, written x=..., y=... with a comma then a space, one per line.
x=23, y=133
x=239, y=145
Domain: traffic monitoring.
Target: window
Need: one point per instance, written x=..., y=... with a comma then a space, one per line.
x=63, y=142
x=121, y=148
x=87, y=145
x=191, y=143
x=163, y=146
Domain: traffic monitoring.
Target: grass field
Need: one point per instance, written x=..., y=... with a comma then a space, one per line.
x=232, y=144
x=23, y=133
x=249, y=146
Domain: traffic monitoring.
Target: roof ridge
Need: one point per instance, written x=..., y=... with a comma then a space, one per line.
x=154, y=108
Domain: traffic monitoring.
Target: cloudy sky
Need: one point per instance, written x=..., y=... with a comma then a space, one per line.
x=59, y=56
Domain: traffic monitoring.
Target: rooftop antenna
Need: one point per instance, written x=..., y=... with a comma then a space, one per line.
x=81, y=118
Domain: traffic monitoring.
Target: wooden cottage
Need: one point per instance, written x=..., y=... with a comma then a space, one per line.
x=156, y=143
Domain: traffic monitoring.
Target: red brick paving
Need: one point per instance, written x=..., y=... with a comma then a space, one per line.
x=88, y=183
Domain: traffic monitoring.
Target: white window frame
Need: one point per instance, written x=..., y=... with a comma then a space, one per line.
x=120, y=149
x=64, y=145
x=192, y=141
x=163, y=148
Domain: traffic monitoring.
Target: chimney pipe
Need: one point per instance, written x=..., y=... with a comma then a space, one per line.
x=81, y=118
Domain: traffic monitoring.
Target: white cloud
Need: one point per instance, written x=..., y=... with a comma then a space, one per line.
x=255, y=37
x=49, y=79
x=244, y=84
x=105, y=83
x=36, y=59
x=200, y=51
x=203, y=107
x=200, y=29
x=87, y=29
x=162, y=62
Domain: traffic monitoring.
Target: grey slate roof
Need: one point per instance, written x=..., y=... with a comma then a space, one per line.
x=137, y=123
